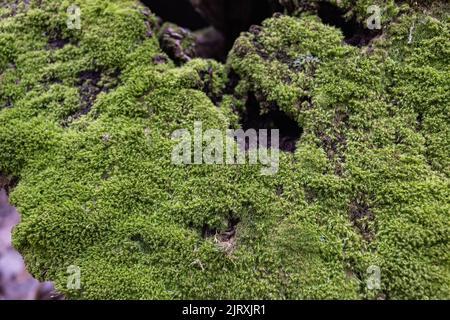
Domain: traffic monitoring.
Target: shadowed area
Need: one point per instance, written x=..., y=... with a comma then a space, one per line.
x=217, y=22
x=354, y=32
x=274, y=118
x=179, y=12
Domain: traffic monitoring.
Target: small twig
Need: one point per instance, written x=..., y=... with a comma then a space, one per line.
x=410, y=36
x=199, y=263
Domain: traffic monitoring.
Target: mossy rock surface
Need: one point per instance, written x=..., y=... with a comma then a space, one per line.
x=86, y=118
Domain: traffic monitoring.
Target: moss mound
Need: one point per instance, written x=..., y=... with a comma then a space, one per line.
x=86, y=118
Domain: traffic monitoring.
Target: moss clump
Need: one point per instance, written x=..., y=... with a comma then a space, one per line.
x=86, y=121
x=358, y=9
x=363, y=111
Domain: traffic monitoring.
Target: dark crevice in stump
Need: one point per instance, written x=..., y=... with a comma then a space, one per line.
x=355, y=33
x=254, y=117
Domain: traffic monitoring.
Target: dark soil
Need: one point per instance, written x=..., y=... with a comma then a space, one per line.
x=271, y=118
x=90, y=85
x=354, y=32
x=362, y=216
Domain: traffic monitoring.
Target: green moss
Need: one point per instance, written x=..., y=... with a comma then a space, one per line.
x=279, y=60
x=358, y=9
x=367, y=185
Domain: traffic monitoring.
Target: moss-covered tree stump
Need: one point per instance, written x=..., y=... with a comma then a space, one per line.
x=86, y=118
